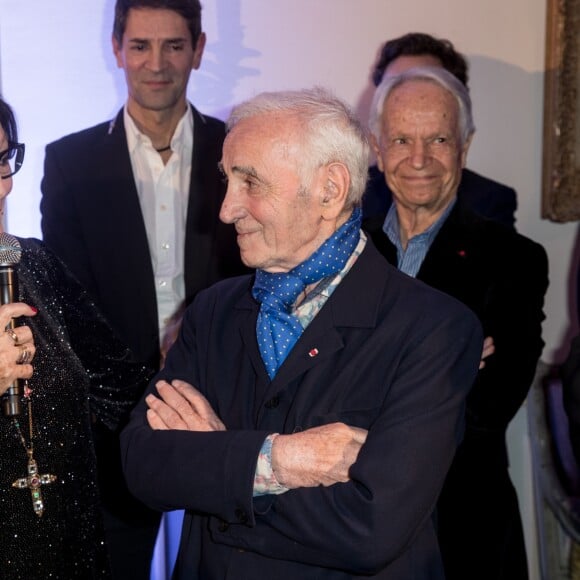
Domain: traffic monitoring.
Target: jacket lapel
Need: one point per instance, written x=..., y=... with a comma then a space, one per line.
x=113, y=204
x=206, y=193
x=448, y=261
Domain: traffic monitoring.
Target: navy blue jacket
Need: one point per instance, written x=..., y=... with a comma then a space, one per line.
x=394, y=357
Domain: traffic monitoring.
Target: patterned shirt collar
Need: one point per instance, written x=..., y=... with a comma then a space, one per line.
x=318, y=296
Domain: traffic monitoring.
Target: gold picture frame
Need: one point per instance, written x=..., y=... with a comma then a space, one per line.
x=561, y=156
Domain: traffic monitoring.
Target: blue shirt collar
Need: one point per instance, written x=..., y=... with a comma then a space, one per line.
x=418, y=245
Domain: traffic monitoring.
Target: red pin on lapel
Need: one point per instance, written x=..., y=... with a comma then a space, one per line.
x=313, y=352
x=462, y=253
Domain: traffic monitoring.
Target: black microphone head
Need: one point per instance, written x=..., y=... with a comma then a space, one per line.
x=10, y=250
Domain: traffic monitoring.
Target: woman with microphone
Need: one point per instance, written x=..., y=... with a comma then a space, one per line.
x=63, y=374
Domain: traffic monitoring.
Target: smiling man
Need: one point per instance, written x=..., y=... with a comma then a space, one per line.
x=307, y=415
x=480, y=194
x=422, y=127
x=131, y=206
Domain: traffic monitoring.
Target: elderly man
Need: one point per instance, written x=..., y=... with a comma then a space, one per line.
x=422, y=127
x=329, y=388
x=484, y=196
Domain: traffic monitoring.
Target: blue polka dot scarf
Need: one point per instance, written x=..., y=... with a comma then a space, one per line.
x=277, y=329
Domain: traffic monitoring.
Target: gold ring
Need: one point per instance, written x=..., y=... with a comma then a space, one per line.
x=25, y=356
x=10, y=332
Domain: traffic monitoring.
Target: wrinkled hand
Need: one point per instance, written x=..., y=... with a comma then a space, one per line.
x=181, y=406
x=318, y=456
x=11, y=350
x=488, y=350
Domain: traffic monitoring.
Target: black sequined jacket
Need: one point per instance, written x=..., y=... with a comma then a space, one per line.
x=83, y=376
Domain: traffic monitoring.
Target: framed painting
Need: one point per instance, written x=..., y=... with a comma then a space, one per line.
x=561, y=147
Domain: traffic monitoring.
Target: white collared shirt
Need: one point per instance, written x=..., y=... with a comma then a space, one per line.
x=163, y=195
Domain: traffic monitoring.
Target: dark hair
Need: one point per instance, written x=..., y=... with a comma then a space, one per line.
x=189, y=9
x=8, y=122
x=417, y=44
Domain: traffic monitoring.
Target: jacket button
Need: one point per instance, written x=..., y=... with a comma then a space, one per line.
x=241, y=515
x=272, y=403
x=223, y=527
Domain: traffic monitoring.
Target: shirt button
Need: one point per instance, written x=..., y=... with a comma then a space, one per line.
x=272, y=403
x=162, y=283
x=165, y=246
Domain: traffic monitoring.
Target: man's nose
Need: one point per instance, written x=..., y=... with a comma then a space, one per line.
x=156, y=60
x=231, y=209
x=418, y=155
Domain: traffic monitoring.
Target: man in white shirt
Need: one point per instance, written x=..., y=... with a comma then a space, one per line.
x=131, y=206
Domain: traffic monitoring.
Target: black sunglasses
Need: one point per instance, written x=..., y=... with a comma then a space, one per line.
x=11, y=159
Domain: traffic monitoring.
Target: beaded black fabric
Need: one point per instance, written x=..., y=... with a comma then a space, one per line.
x=82, y=375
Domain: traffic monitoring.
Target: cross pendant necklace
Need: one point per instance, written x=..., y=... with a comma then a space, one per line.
x=33, y=481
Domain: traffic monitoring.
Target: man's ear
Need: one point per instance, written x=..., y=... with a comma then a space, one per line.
x=334, y=192
x=465, y=150
x=198, y=51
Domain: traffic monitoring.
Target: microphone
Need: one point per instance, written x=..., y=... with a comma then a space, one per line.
x=10, y=253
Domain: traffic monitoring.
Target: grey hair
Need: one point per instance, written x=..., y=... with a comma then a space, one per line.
x=436, y=75
x=331, y=132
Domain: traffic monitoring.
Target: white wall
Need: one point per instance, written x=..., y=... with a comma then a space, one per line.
x=57, y=71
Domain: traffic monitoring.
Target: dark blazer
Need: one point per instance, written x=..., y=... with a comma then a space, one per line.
x=502, y=276
x=393, y=356
x=91, y=218
x=480, y=194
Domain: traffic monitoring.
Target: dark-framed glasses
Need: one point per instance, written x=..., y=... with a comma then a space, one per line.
x=11, y=160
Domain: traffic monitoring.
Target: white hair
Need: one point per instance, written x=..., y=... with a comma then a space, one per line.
x=436, y=75
x=331, y=132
